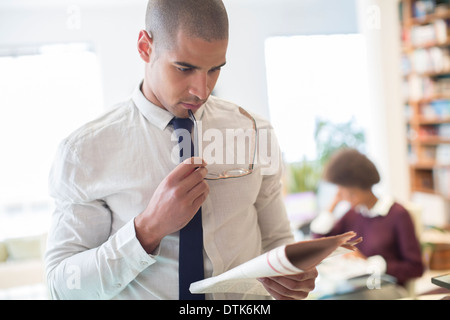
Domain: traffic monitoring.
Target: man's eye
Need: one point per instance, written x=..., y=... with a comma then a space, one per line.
x=184, y=69
x=215, y=69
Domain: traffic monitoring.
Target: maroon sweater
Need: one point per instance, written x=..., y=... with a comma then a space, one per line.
x=392, y=237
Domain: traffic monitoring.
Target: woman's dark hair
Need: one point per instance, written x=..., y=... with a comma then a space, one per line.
x=350, y=168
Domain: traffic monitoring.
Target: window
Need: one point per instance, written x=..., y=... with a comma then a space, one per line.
x=46, y=92
x=315, y=82
x=320, y=77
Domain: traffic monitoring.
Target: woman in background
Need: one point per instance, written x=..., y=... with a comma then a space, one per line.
x=389, y=238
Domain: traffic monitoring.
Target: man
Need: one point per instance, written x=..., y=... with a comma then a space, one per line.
x=121, y=200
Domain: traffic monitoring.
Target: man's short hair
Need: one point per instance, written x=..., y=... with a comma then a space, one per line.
x=204, y=19
x=350, y=168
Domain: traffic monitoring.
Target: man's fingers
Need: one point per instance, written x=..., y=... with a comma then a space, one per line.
x=305, y=275
x=286, y=289
x=185, y=168
x=198, y=161
x=295, y=286
x=188, y=181
x=198, y=200
x=196, y=184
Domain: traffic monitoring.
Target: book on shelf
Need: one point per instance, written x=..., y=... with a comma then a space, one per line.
x=427, y=155
x=430, y=155
x=425, y=65
x=444, y=131
x=432, y=133
x=424, y=8
x=443, y=154
x=441, y=178
x=431, y=34
x=436, y=110
x=434, y=60
x=432, y=90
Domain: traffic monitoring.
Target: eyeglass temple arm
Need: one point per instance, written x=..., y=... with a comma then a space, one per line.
x=246, y=114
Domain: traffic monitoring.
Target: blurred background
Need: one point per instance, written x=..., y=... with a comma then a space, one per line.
x=369, y=74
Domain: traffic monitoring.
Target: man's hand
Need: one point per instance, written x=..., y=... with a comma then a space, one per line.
x=174, y=203
x=293, y=287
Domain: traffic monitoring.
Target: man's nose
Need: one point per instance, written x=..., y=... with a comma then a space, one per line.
x=199, y=86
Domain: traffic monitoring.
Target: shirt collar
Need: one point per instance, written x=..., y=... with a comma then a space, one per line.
x=381, y=208
x=156, y=115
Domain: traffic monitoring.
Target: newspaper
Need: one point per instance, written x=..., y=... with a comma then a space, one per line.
x=284, y=260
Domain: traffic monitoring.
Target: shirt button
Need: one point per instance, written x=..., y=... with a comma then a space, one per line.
x=144, y=263
x=118, y=285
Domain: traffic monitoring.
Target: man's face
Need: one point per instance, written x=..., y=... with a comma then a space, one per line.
x=182, y=78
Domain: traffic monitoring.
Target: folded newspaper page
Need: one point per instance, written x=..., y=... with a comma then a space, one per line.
x=284, y=260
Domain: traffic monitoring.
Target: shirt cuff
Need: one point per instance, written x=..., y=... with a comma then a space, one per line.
x=323, y=223
x=131, y=249
x=379, y=262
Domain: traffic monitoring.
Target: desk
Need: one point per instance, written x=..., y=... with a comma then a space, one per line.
x=350, y=278
x=358, y=290
x=342, y=278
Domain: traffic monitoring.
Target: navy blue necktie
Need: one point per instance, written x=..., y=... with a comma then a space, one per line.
x=190, y=268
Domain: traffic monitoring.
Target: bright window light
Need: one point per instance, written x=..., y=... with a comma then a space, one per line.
x=45, y=93
x=309, y=77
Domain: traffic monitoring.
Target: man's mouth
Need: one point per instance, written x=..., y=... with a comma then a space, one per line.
x=191, y=106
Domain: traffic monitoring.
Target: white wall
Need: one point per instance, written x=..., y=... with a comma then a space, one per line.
x=112, y=27
x=386, y=136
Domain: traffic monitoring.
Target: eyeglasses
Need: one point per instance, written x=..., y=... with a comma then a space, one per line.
x=234, y=172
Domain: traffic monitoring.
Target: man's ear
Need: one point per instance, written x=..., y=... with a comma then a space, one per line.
x=145, y=45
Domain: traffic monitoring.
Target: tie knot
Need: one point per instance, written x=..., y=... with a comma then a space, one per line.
x=182, y=123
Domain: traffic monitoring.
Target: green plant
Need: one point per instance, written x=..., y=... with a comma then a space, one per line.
x=329, y=137
x=303, y=176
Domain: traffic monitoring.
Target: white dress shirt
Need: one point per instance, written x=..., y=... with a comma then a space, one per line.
x=104, y=175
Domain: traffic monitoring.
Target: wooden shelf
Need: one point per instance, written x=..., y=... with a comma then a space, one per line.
x=430, y=18
x=433, y=140
x=423, y=145
x=428, y=165
x=427, y=121
x=424, y=121
x=430, y=99
x=423, y=165
x=408, y=48
x=430, y=74
x=430, y=141
x=425, y=190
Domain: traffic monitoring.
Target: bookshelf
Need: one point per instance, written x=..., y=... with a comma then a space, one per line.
x=425, y=36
